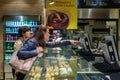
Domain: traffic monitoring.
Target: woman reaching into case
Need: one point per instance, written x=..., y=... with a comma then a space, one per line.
x=35, y=45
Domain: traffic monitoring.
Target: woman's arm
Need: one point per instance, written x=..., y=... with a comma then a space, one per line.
x=61, y=43
x=28, y=49
x=58, y=44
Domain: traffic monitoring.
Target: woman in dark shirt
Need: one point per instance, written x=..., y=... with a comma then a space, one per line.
x=23, y=34
x=35, y=45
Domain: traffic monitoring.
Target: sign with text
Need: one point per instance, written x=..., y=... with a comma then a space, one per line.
x=61, y=14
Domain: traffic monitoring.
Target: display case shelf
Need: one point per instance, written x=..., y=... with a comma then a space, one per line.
x=9, y=51
x=10, y=41
x=11, y=32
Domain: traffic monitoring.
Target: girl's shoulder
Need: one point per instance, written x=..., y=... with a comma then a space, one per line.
x=18, y=41
x=32, y=40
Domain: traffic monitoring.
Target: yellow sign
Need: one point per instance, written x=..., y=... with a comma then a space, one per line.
x=61, y=14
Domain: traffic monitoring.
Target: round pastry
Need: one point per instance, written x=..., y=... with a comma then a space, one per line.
x=58, y=20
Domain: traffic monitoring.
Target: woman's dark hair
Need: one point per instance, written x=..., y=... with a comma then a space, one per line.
x=22, y=30
x=39, y=34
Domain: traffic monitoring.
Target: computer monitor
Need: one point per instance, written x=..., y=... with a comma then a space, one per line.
x=105, y=50
x=109, y=50
x=87, y=42
x=114, y=50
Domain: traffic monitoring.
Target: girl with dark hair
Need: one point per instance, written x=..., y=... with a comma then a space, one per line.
x=23, y=35
x=35, y=45
x=23, y=30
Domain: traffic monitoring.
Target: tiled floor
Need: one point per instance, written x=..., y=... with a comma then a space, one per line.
x=8, y=72
x=9, y=79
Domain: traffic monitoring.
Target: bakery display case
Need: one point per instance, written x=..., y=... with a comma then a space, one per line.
x=63, y=64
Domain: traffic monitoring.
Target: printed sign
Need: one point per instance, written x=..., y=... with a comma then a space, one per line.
x=61, y=14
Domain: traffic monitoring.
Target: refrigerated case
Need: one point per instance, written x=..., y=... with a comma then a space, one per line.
x=11, y=25
x=63, y=64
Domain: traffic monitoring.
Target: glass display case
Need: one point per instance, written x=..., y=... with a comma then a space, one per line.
x=63, y=64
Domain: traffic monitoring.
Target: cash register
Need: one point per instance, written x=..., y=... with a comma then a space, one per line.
x=111, y=58
x=86, y=49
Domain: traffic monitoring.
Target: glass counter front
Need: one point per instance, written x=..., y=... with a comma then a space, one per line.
x=63, y=64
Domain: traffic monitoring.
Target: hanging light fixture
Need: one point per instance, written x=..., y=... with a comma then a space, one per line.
x=51, y=2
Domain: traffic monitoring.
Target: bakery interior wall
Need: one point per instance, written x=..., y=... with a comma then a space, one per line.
x=17, y=7
x=102, y=14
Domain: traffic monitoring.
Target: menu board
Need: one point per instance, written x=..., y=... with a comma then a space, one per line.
x=61, y=14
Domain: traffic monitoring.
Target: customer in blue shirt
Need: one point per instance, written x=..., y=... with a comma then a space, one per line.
x=35, y=45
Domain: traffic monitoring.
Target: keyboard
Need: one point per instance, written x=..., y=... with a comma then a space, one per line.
x=107, y=68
